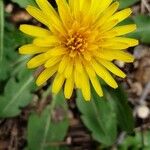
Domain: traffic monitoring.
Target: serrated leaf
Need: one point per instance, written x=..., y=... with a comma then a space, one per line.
x=118, y=98
x=12, y=40
x=25, y=3
x=17, y=94
x=99, y=117
x=43, y=131
x=1, y=30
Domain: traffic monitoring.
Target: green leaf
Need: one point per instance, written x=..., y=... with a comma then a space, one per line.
x=45, y=131
x=1, y=30
x=127, y=3
x=4, y=69
x=17, y=94
x=136, y=142
x=12, y=40
x=99, y=118
x=143, y=28
x=25, y=3
x=118, y=98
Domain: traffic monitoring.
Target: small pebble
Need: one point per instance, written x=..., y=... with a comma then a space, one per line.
x=143, y=111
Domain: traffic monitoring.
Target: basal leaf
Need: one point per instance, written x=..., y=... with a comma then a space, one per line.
x=143, y=28
x=4, y=69
x=118, y=98
x=12, y=40
x=99, y=117
x=44, y=132
x=25, y=3
x=127, y=3
x=17, y=94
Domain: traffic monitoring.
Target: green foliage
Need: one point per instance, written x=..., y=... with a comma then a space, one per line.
x=102, y=114
x=12, y=40
x=99, y=118
x=137, y=142
x=4, y=69
x=44, y=133
x=24, y=3
x=17, y=94
x=127, y=3
x=118, y=98
x=143, y=28
x=1, y=29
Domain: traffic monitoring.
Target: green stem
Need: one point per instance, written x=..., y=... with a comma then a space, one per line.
x=1, y=29
x=49, y=119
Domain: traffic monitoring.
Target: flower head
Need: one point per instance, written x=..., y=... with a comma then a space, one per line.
x=79, y=43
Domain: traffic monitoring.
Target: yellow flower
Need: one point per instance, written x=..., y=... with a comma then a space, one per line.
x=79, y=43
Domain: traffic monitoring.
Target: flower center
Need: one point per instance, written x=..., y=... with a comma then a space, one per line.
x=76, y=44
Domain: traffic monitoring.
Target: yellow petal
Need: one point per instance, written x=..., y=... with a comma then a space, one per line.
x=90, y=70
x=111, y=67
x=96, y=85
x=64, y=12
x=37, y=14
x=32, y=49
x=92, y=75
x=56, y=51
x=76, y=78
x=121, y=30
x=108, y=44
x=69, y=86
x=129, y=41
x=107, y=26
x=75, y=5
x=107, y=13
x=47, y=41
x=63, y=64
x=46, y=7
x=85, y=6
x=85, y=85
x=104, y=74
x=97, y=7
x=108, y=34
x=87, y=55
x=78, y=64
x=58, y=83
x=79, y=5
x=121, y=15
x=34, y=30
x=45, y=75
x=51, y=15
x=52, y=61
x=37, y=61
x=116, y=55
x=69, y=69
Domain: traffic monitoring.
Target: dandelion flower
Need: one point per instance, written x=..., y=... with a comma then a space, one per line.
x=78, y=44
